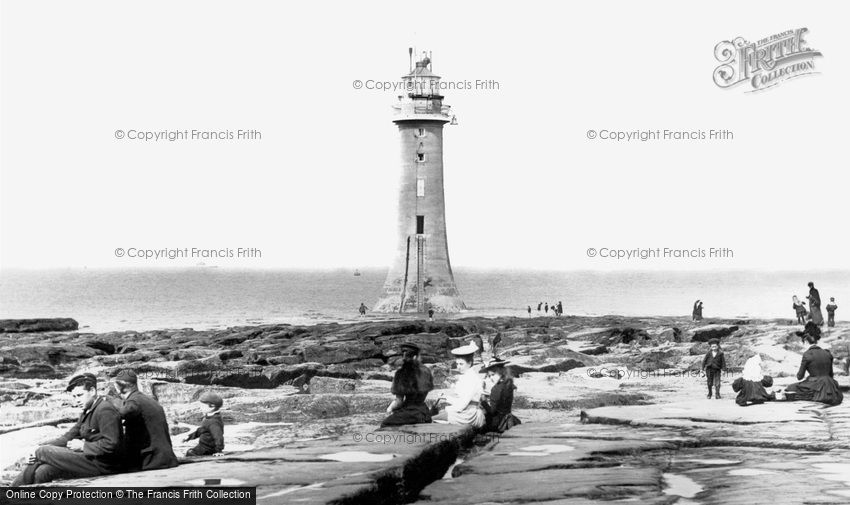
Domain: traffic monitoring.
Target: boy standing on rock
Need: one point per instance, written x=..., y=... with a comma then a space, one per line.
x=713, y=364
x=830, y=313
x=210, y=433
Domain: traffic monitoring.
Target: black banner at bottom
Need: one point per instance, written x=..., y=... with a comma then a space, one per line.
x=129, y=495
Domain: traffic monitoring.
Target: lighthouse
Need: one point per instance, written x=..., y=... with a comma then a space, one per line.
x=420, y=278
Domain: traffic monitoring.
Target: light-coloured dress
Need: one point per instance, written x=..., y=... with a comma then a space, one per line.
x=463, y=405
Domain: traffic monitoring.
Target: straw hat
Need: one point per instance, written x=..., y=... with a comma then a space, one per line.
x=465, y=350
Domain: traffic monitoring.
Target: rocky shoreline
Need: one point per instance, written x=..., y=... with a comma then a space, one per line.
x=322, y=384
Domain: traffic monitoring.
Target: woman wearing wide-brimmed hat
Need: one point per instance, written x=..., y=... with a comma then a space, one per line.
x=464, y=401
x=498, y=407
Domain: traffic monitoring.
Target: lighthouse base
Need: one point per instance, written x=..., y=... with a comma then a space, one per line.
x=445, y=304
x=400, y=298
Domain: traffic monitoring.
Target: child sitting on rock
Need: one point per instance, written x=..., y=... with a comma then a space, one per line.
x=713, y=364
x=210, y=433
x=751, y=385
x=753, y=392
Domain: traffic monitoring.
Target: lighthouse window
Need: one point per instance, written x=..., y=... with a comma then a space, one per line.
x=420, y=157
x=420, y=225
x=420, y=187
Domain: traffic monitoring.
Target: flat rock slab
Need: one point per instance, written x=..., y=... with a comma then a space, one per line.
x=316, y=471
x=533, y=454
x=794, y=425
x=599, y=483
x=590, y=431
x=724, y=475
x=711, y=411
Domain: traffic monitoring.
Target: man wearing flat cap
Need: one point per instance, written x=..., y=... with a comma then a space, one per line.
x=90, y=448
x=148, y=439
x=411, y=385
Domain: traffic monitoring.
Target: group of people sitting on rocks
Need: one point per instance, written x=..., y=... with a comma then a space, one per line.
x=116, y=435
x=815, y=375
x=480, y=402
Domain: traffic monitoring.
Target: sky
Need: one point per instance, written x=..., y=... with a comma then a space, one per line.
x=525, y=187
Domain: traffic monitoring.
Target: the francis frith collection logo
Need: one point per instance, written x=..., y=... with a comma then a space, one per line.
x=766, y=63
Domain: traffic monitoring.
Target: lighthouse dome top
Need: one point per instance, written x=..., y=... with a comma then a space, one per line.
x=423, y=100
x=422, y=69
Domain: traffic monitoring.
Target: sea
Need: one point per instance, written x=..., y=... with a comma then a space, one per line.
x=204, y=297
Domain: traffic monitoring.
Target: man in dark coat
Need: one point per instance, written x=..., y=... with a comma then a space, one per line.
x=90, y=448
x=148, y=439
x=411, y=385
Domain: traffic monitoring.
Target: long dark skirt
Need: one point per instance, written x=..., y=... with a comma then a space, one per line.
x=501, y=423
x=817, y=316
x=817, y=389
x=408, y=414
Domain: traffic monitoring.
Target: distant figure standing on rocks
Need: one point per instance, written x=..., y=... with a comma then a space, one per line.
x=546, y=308
x=431, y=315
x=494, y=343
x=800, y=310
x=814, y=305
x=210, y=433
x=500, y=400
x=560, y=308
x=819, y=386
x=363, y=309
x=713, y=363
x=411, y=385
x=539, y=305
x=464, y=400
x=478, y=342
x=830, y=313
x=529, y=311
x=697, y=313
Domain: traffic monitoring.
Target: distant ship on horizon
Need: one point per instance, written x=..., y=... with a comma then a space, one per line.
x=356, y=273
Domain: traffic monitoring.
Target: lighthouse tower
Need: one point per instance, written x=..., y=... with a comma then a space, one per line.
x=421, y=277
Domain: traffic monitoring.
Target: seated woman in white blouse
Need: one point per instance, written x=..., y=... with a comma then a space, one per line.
x=463, y=402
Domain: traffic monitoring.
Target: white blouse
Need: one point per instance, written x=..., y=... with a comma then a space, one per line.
x=469, y=387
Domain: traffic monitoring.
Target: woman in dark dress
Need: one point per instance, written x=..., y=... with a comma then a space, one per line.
x=411, y=385
x=498, y=407
x=814, y=305
x=819, y=386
